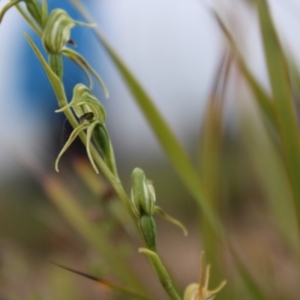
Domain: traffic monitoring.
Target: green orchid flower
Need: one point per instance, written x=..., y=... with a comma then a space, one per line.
x=56, y=36
x=92, y=116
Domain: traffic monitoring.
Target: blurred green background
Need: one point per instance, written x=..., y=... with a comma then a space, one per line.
x=235, y=114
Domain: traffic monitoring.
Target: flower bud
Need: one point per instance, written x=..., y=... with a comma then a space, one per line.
x=151, y=194
x=103, y=143
x=142, y=194
x=35, y=10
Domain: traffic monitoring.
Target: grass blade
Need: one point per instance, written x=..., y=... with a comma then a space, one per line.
x=107, y=283
x=283, y=100
x=253, y=288
x=210, y=157
x=270, y=169
x=95, y=238
x=264, y=101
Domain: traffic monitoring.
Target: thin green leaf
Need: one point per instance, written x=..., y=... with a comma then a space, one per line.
x=210, y=158
x=7, y=7
x=29, y=20
x=263, y=99
x=95, y=237
x=295, y=78
x=107, y=283
x=255, y=291
x=53, y=78
x=269, y=168
x=283, y=100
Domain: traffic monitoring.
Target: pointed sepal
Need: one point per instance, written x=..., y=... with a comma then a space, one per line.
x=170, y=219
x=86, y=67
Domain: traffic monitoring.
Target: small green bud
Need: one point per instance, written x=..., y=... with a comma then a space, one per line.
x=103, y=143
x=35, y=10
x=151, y=194
x=148, y=228
x=142, y=194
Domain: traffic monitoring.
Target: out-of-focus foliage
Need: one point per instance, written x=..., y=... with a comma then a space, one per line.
x=239, y=193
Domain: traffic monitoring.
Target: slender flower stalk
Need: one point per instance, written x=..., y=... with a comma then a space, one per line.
x=90, y=113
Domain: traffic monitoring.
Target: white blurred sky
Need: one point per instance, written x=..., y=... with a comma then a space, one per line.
x=173, y=46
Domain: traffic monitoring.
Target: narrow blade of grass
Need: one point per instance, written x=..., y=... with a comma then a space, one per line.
x=210, y=168
x=263, y=99
x=107, y=283
x=295, y=78
x=253, y=288
x=269, y=167
x=283, y=101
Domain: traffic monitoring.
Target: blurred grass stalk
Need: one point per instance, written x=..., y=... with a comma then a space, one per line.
x=287, y=123
x=91, y=233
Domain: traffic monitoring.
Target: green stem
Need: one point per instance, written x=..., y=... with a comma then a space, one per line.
x=62, y=102
x=158, y=266
x=56, y=64
x=161, y=272
x=7, y=7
